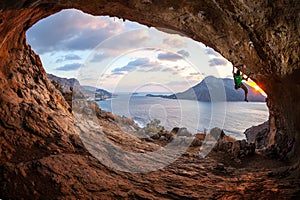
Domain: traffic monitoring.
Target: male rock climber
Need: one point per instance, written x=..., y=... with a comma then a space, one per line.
x=238, y=80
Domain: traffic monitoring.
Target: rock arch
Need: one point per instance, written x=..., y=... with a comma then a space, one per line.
x=264, y=35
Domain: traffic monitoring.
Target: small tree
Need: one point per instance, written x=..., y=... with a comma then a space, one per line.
x=154, y=127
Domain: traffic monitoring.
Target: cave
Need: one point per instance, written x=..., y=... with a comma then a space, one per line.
x=36, y=126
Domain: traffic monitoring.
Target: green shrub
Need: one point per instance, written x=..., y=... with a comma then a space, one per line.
x=154, y=127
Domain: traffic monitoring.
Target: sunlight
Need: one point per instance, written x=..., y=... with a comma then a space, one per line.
x=256, y=87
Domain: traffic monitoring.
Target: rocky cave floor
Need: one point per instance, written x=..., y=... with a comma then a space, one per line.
x=79, y=175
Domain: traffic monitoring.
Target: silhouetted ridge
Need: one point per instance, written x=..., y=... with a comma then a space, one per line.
x=215, y=89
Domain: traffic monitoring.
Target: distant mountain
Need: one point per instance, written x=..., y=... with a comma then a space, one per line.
x=65, y=83
x=216, y=89
x=100, y=94
x=89, y=88
x=89, y=92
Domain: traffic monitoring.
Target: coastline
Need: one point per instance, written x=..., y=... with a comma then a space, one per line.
x=230, y=120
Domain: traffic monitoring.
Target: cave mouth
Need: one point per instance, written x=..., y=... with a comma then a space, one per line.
x=235, y=32
x=66, y=43
x=40, y=147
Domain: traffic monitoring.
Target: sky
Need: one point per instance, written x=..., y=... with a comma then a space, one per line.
x=122, y=56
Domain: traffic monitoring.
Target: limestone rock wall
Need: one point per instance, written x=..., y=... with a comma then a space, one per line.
x=31, y=109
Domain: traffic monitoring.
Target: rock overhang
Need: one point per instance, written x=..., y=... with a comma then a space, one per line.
x=262, y=35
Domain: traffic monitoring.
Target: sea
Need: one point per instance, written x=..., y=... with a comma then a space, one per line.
x=198, y=117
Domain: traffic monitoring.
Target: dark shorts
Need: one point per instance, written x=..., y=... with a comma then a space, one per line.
x=241, y=86
x=236, y=87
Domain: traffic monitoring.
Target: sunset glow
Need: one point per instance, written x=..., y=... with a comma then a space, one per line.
x=256, y=87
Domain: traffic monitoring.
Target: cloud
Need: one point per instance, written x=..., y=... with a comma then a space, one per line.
x=169, y=69
x=183, y=53
x=72, y=57
x=217, y=61
x=150, y=68
x=68, y=57
x=210, y=51
x=194, y=78
x=111, y=76
x=69, y=67
x=181, y=68
x=195, y=74
x=121, y=43
x=117, y=73
x=59, y=60
x=71, y=30
x=98, y=57
x=176, y=42
x=175, y=69
x=169, y=56
x=132, y=65
x=173, y=83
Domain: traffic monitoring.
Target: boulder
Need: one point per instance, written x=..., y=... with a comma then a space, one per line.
x=200, y=136
x=175, y=130
x=235, y=148
x=184, y=132
x=216, y=133
x=196, y=142
x=259, y=135
x=155, y=136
